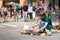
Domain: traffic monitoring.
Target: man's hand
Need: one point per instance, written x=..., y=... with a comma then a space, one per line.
x=44, y=26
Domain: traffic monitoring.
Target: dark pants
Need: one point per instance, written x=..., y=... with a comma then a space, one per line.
x=21, y=15
x=30, y=14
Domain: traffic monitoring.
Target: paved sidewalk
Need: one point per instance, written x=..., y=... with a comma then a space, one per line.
x=11, y=31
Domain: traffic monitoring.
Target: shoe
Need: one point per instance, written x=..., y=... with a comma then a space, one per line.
x=43, y=34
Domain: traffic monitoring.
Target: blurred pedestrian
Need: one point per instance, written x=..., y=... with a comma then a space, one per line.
x=41, y=6
x=49, y=6
x=25, y=9
x=2, y=13
x=15, y=11
x=9, y=11
x=30, y=11
x=57, y=12
x=49, y=11
x=34, y=10
x=37, y=9
x=21, y=12
x=5, y=11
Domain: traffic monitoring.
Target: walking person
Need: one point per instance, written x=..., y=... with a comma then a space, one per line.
x=49, y=11
x=20, y=12
x=25, y=9
x=9, y=11
x=41, y=6
x=37, y=11
x=34, y=10
x=5, y=11
x=57, y=12
x=15, y=11
x=30, y=11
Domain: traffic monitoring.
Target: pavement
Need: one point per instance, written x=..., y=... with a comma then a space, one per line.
x=11, y=31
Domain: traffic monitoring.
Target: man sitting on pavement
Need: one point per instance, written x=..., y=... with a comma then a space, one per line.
x=45, y=25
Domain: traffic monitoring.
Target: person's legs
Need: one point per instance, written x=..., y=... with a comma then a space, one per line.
x=21, y=14
x=30, y=15
x=37, y=29
x=15, y=16
x=41, y=24
x=33, y=14
x=25, y=16
x=40, y=32
x=48, y=32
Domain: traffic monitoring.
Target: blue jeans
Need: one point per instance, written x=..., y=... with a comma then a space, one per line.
x=41, y=24
x=30, y=14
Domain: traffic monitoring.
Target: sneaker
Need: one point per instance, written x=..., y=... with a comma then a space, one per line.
x=43, y=34
x=49, y=32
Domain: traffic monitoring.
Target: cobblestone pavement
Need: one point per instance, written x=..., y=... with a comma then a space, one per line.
x=11, y=31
